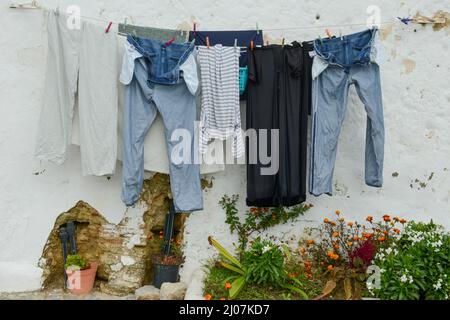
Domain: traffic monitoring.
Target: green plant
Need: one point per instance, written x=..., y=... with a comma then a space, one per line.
x=256, y=219
x=175, y=255
x=416, y=266
x=264, y=263
x=342, y=250
x=76, y=262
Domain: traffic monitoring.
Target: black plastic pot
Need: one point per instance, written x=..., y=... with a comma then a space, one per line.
x=165, y=273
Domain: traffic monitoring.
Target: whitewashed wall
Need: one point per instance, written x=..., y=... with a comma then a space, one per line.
x=416, y=96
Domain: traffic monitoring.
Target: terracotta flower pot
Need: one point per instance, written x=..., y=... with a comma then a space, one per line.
x=81, y=281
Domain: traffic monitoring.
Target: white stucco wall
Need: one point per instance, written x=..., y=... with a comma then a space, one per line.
x=416, y=96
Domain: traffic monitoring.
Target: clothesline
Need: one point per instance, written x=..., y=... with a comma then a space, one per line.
x=323, y=26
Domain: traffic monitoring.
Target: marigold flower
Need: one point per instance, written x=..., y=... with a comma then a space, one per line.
x=208, y=297
x=335, y=257
x=397, y=231
x=333, y=223
x=161, y=236
x=381, y=239
x=228, y=286
x=330, y=267
x=338, y=212
x=222, y=298
x=336, y=246
x=356, y=238
x=310, y=242
x=349, y=243
x=326, y=220
x=402, y=221
x=385, y=232
x=335, y=234
x=396, y=219
x=330, y=253
x=302, y=250
x=386, y=218
x=369, y=218
x=368, y=235
x=350, y=224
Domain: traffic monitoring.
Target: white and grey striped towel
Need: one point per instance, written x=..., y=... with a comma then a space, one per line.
x=220, y=114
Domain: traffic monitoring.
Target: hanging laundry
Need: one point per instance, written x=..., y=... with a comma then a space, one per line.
x=81, y=61
x=157, y=84
x=227, y=38
x=164, y=35
x=275, y=108
x=220, y=114
x=339, y=63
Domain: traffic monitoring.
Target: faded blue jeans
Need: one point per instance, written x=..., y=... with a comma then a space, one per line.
x=177, y=107
x=338, y=64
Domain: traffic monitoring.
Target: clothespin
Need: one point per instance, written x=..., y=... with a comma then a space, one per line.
x=282, y=42
x=257, y=29
x=108, y=27
x=405, y=20
x=340, y=34
x=235, y=42
x=328, y=33
x=170, y=41
x=207, y=42
x=251, y=45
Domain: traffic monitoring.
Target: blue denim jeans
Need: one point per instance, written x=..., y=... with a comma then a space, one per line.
x=177, y=107
x=342, y=62
x=164, y=60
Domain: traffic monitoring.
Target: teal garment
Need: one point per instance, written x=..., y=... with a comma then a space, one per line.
x=154, y=33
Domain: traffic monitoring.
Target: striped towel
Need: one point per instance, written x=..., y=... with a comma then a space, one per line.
x=220, y=113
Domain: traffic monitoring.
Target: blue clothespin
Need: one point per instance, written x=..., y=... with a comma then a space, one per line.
x=405, y=20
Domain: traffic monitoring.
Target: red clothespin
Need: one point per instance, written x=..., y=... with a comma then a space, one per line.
x=251, y=45
x=207, y=42
x=170, y=41
x=328, y=33
x=108, y=27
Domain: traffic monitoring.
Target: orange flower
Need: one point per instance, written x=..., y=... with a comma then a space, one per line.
x=161, y=232
x=302, y=250
x=397, y=231
x=386, y=218
x=349, y=243
x=402, y=221
x=336, y=246
x=208, y=297
x=330, y=253
x=330, y=267
x=385, y=232
x=341, y=219
x=228, y=286
x=355, y=238
x=333, y=223
x=322, y=263
x=326, y=220
x=309, y=275
x=350, y=224
x=367, y=235
x=381, y=239
x=335, y=234
x=338, y=212
x=396, y=219
x=222, y=298
x=310, y=242
x=335, y=257
x=369, y=218
x=161, y=236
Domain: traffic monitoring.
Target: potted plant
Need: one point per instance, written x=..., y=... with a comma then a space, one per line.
x=166, y=266
x=80, y=274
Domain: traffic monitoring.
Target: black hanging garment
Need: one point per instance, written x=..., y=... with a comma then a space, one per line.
x=276, y=101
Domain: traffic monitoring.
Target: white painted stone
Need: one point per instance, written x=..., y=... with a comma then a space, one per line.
x=33, y=194
x=127, y=261
x=173, y=291
x=147, y=293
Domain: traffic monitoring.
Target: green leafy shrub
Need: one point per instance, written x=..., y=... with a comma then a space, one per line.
x=76, y=262
x=264, y=263
x=417, y=265
x=256, y=219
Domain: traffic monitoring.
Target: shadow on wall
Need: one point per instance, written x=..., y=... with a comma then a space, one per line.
x=123, y=251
